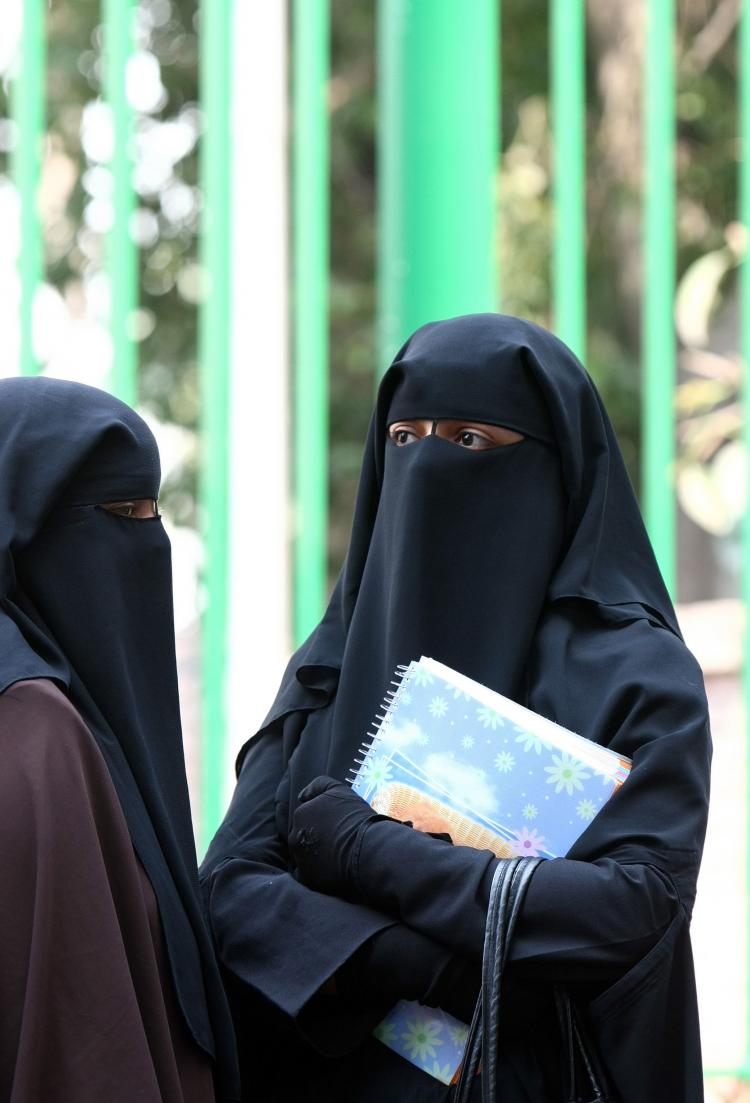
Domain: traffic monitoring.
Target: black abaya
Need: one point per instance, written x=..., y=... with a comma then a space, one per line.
x=527, y=568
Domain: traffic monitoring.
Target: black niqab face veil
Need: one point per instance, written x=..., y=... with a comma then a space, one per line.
x=459, y=556
x=464, y=555
x=86, y=599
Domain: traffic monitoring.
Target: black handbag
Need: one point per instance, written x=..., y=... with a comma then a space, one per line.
x=583, y=1074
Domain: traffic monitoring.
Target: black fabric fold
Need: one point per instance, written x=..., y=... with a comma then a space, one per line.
x=289, y=941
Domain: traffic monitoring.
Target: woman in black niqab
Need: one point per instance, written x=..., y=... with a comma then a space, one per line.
x=87, y=660
x=526, y=567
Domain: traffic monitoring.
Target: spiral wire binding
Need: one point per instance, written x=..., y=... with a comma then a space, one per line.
x=383, y=718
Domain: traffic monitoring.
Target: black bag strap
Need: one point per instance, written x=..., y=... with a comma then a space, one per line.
x=580, y=1055
x=509, y=885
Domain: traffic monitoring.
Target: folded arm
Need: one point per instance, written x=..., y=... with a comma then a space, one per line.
x=310, y=954
x=582, y=921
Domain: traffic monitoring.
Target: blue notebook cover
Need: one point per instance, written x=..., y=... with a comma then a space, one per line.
x=448, y=754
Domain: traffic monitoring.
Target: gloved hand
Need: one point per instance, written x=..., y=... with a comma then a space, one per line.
x=327, y=832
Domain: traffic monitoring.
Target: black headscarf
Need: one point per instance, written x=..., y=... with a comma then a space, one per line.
x=478, y=559
x=86, y=600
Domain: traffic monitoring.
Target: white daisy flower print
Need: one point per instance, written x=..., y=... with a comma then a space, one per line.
x=529, y=811
x=458, y=694
x=438, y=707
x=385, y=1032
x=566, y=773
x=467, y=742
x=459, y=1033
x=489, y=718
x=504, y=762
x=586, y=809
x=376, y=770
x=421, y=677
x=530, y=741
x=441, y=1072
x=420, y=1039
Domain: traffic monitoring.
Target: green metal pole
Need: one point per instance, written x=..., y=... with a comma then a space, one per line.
x=567, y=54
x=214, y=339
x=744, y=292
x=496, y=81
x=310, y=44
x=122, y=254
x=437, y=149
x=28, y=104
x=658, y=325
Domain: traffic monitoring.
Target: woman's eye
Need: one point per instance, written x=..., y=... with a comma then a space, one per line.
x=403, y=436
x=136, y=510
x=467, y=439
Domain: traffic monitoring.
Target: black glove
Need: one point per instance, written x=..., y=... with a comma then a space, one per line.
x=327, y=831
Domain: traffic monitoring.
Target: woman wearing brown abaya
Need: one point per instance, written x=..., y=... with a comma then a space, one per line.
x=108, y=986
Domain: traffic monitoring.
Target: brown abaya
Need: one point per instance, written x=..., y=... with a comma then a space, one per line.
x=88, y=1012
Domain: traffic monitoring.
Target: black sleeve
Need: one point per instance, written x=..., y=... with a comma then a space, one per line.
x=582, y=921
x=271, y=932
x=333, y=966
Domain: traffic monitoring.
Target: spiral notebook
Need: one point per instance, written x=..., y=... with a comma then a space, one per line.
x=451, y=755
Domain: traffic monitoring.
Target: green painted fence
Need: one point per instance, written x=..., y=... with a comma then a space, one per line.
x=659, y=285
x=744, y=214
x=568, y=95
x=28, y=105
x=310, y=49
x=214, y=354
x=118, y=16
x=438, y=149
